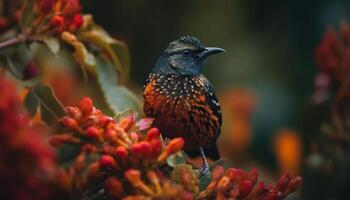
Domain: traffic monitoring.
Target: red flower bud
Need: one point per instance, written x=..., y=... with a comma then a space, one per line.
x=134, y=137
x=107, y=162
x=93, y=133
x=217, y=173
x=121, y=152
x=175, y=145
x=152, y=133
x=156, y=146
x=76, y=23
x=69, y=122
x=223, y=184
x=283, y=182
x=126, y=123
x=245, y=187
x=145, y=148
x=133, y=176
x=58, y=22
x=86, y=106
x=136, y=149
x=294, y=184
x=71, y=7
x=257, y=191
x=113, y=187
x=253, y=176
x=231, y=173
x=105, y=120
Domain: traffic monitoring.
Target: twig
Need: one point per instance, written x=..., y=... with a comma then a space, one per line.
x=12, y=41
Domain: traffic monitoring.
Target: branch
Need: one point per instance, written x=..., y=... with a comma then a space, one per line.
x=12, y=41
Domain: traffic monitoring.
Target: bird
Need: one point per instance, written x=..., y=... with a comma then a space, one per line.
x=181, y=100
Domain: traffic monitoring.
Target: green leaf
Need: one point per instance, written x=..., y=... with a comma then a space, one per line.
x=177, y=159
x=31, y=103
x=85, y=59
x=116, y=50
x=53, y=44
x=119, y=98
x=51, y=108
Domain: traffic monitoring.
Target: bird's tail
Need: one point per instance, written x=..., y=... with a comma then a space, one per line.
x=211, y=152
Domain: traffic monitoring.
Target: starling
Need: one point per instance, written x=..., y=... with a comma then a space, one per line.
x=181, y=99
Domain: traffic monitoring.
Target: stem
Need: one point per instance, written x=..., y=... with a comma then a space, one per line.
x=12, y=41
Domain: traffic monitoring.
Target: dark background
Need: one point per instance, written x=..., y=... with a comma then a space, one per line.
x=269, y=48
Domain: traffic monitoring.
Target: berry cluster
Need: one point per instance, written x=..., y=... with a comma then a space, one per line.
x=115, y=146
x=237, y=184
x=332, y=54
x=127, y=159
x=151, y=184
x=57, y=16
x=26, y=160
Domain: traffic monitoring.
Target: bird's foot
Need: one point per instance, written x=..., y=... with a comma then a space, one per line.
x=205, y=166
x=203, y=170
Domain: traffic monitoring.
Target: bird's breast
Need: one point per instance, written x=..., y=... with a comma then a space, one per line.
x=178, y=105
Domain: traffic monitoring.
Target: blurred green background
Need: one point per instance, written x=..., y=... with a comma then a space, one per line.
x=269, y=49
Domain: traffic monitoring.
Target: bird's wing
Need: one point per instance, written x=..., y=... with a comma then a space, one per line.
x=212, y=100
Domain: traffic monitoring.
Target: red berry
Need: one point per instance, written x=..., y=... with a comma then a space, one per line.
x=175, y=145
x=134, y=137
x=76, y=22
x=152, y=133
x=283, y=182
x=93, y=133
x=105, y=120
x=107, y=161
x=58, y=22
x=121, y=152
x=86, y=105
x=126, y=123
x=217, y=173
x=136, y=149
x=145, y=148
x=69, y=122
x=245, y=187
x=156, y=146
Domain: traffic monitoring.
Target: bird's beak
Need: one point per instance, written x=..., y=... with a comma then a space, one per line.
x=210, y=51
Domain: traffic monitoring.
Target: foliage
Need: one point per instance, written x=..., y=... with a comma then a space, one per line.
x=327, y=160
x=95, y=156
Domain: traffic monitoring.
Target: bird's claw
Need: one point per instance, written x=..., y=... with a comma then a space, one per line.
x=205, y=166
x=203, y=170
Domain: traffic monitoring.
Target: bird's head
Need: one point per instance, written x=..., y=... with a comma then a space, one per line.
x=184, y=56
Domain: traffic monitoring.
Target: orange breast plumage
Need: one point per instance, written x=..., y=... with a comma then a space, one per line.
x=183, y=106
